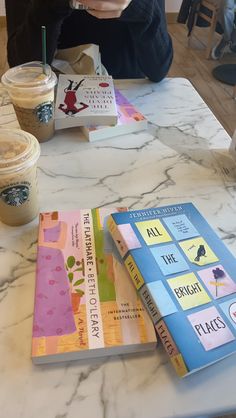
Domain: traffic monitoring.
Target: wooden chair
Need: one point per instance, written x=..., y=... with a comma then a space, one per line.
x=212, y=20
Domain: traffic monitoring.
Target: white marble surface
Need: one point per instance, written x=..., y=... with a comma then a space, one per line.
x=183, y=157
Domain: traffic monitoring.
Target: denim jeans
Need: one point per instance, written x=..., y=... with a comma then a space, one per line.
x=226, y=19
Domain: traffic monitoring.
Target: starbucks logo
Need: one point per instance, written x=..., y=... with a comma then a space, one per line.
x=44, y=112
x=15, y=196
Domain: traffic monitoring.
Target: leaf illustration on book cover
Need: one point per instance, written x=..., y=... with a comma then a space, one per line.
x=71, y=262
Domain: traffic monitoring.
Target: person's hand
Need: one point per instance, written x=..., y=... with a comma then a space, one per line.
x=105, y=9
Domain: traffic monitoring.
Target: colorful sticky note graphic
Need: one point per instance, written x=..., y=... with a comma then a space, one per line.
x=188, y=291
x=229, y=309
x=169, y=259
x=198, y=251
x=153, y=232
x=217, y=281
x=162, y=298
x=126, y=238
x=181, y=227
x=210, y=328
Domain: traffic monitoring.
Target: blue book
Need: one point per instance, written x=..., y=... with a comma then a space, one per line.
x=186, y=278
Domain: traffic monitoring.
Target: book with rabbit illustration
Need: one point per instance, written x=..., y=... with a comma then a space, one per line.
x=83, y=100
x=85, y=305
x=186, y=278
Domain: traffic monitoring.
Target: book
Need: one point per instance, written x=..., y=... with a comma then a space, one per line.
x=85, y=100
x=129, y=120
x=186, y=278
x=85, y=305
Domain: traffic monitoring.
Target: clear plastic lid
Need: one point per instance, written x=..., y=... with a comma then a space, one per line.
x=18, y=150
x=31, y=75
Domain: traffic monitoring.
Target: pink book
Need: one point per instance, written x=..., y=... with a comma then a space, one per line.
x=85, y=304
x=129, y=120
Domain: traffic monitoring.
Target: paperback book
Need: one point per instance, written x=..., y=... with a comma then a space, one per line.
x=129, y=120
x=84, y=100
x=186, y=278
x=85, y=304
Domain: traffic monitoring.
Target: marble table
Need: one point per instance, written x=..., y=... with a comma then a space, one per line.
x=182, y=157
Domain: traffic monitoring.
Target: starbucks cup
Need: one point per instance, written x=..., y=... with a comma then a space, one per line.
x=31, y=89
x=19, y=153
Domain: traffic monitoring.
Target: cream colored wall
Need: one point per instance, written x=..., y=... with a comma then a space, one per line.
x=2, y=8
x=173, y=6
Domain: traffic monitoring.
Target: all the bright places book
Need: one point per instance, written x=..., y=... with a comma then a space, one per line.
x=129, y=120
x=84, y=100
x=186, y=278
x=85, y=304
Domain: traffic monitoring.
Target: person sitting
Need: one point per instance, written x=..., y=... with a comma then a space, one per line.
x=132, y=34
x=225, y=22
x=226, y=18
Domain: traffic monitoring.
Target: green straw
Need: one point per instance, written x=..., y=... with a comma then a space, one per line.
x=44, y=49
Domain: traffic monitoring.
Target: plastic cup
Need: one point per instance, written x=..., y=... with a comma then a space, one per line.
x=31, y=89
x=19, y=153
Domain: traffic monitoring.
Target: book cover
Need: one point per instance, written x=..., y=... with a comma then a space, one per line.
x=83, y=100
x=85, y=304
x=129, y=120
x=186, y=278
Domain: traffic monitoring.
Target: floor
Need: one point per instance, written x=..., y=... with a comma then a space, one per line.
x=189, y=62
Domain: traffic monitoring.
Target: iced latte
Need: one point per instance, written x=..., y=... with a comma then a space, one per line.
x=31, y=89
x=19, y=153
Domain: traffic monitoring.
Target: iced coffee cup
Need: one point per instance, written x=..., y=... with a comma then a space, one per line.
x=31, y=89
x=19, y=153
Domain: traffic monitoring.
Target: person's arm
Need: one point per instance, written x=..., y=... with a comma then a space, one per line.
x=24, y=21
x=147, y=25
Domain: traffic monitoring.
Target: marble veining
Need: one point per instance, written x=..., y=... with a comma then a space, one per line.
x=183, y=156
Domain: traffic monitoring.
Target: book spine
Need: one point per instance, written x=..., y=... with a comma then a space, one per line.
x=148, y=301
x=117, y=237
x=156, y=317
x=176, y=357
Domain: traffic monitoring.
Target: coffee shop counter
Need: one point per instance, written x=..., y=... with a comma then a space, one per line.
x=182, y=157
